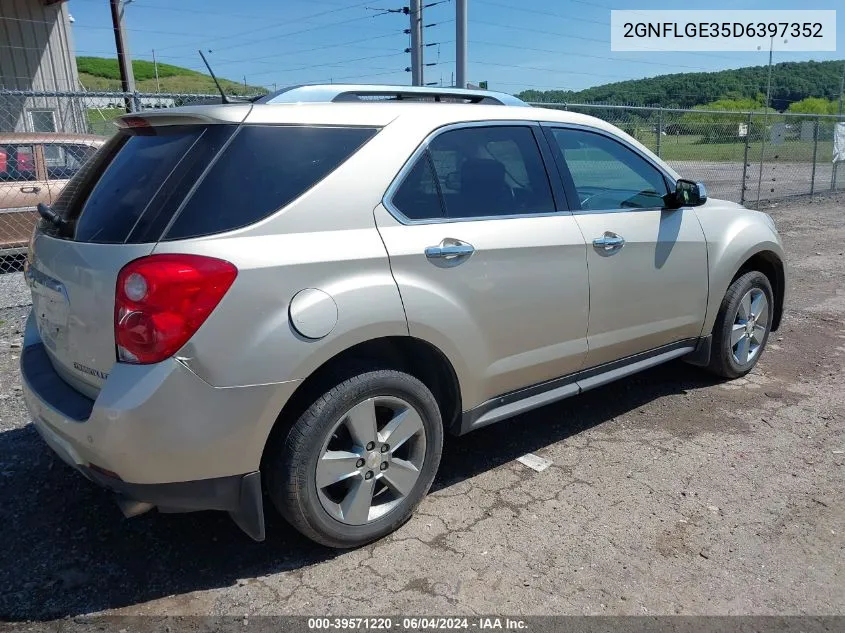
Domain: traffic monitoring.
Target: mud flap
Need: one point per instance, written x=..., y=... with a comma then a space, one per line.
x=250, y=513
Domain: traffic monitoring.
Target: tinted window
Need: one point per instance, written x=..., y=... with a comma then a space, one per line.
x=608, y=175
x=488, y=171
x=17, y=163
x=262, y=170
x=63, y=161
x=130, y=182
x=418, y=198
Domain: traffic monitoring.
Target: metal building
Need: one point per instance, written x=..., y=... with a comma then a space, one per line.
x=37, y=54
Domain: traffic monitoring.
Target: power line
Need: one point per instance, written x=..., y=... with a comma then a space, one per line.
x=580, y=37
x=273, y=26
x=304, y=50
x=571, y=54
x=538, y=12
x=323, y=65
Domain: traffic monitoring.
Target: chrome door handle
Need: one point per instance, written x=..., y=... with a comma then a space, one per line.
x=449, y=249
x=30, y=189
x=610, y=241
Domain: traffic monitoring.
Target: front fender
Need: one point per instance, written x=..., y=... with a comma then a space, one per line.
x=734, y=236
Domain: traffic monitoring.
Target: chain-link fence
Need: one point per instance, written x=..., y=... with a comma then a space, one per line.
x=747, y=157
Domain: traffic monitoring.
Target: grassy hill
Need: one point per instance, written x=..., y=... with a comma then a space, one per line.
x=791, y=82
x=99, y=73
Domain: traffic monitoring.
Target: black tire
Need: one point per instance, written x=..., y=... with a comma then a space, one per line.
x=722, y=361
x=291, y=465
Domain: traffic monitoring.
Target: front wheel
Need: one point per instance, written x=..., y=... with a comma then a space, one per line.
x=358, y=461
x=742, y=326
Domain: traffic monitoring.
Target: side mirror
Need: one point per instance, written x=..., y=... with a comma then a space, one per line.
x=687, y=194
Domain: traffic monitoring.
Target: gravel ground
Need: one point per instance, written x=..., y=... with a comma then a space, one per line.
x=669, y=492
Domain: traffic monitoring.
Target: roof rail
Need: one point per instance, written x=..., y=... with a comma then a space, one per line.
x=333, y=93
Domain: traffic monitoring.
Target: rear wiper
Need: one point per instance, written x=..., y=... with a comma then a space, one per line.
x=51, y=216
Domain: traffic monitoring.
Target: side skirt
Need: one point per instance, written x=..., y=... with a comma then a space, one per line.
x=523, y=400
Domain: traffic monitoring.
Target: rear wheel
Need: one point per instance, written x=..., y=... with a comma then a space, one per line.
x=742, y=326
x=359, y=460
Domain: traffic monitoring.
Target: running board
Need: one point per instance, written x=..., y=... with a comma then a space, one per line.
x=531, y=398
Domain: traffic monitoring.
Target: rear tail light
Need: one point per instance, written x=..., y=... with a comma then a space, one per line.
x=162, y=300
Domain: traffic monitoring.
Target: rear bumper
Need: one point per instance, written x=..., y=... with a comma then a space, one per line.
x=171, y=439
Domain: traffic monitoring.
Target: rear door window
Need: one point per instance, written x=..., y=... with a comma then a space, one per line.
x=263, y=169
x=478, y=172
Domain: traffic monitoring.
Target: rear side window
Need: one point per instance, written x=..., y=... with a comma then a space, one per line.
x=262, y=170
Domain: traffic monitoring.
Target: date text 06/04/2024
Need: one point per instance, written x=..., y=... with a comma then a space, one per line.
x=416, y=624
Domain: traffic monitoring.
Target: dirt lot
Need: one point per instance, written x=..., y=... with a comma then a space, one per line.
x=669, y=493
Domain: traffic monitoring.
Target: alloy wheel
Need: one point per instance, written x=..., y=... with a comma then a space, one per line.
x=371, y=460
x=749, y=328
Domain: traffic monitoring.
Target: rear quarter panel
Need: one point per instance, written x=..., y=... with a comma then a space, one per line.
x=327, y=240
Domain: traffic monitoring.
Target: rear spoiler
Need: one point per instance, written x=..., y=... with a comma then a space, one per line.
x=186, y=115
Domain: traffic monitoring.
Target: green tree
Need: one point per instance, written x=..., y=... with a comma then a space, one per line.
x=814, y=105
x=714, y=127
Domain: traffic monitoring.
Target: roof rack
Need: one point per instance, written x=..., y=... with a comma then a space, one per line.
x=333, y=93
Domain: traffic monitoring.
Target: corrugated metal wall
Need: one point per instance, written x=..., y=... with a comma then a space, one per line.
x=37, y=53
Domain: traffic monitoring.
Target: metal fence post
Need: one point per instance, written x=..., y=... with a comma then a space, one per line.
x=745, y=160
x=659, y=128
x=815, y=153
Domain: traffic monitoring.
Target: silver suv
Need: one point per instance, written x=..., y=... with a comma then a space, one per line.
x=302, y=295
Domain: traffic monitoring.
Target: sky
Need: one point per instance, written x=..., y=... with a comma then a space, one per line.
x=513, y=44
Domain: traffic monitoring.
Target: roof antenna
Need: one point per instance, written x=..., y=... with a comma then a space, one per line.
x=214, y=77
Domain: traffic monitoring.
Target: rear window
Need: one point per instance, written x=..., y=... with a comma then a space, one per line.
x=131, y=182
x=262, y=170
x=149, y=186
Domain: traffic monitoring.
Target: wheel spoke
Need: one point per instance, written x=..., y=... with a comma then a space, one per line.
x=361, y=422
x=744, y=311
x=742, y=350
x=335, y=466
x=404, y=425
x=758, y=303
x=758, y=334
x=737, y=333
x=763, y=315
x=355, y=507
x=401, y=476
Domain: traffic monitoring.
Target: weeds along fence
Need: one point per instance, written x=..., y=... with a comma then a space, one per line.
x=747, y=157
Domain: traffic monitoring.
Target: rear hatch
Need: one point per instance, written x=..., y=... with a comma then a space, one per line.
x=166, y=176
x=115, y=209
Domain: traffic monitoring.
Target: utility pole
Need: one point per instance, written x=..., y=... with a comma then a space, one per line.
x=416, y=43
x=461, y=43
x=127, y=78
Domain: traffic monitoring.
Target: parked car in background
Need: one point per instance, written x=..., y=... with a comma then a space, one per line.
x=302, y=295
x=35, y=168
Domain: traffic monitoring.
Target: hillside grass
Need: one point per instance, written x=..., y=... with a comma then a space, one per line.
x=101, y=74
